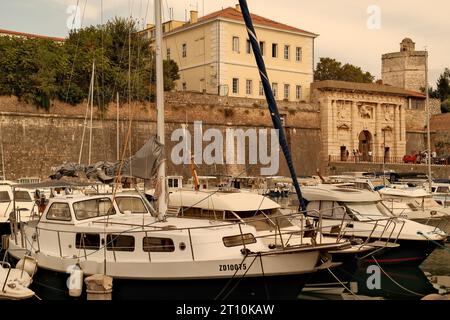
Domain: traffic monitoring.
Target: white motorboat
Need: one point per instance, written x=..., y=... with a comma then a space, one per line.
x=153, y=259
x=416, y=204
x=362, y=214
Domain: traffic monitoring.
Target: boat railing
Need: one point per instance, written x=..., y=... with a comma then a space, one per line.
x=341, y=229
x=289, y=238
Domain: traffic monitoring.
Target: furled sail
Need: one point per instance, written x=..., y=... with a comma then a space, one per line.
x=144, y=165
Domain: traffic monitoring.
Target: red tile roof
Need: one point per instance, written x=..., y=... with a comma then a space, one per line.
x=28, y=35
x=234, y=14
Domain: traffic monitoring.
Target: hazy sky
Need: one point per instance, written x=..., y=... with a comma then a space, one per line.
x=343, y=25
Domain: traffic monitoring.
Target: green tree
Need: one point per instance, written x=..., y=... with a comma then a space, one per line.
x=331, y=69
x=445, y=106
x=38, y=71
x=443, y=85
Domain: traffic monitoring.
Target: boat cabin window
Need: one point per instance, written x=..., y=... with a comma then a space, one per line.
x=115, y=242
x=413, y=206
x=173, y=183
x=88, y=241
x=328, y=209
x=4, y=196
x=153, y=244
x=132, y=204
x=239, y=240
x=22, y=196
x=93, y=208
x=59, y=212
x=442, y=190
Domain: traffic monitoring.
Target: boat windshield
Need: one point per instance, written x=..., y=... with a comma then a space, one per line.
x=22, y=196
x=93, y=208
x=367, y=211
x=131, y=204
x=262, y=224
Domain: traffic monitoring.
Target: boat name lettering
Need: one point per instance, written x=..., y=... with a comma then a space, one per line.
x=232, y=267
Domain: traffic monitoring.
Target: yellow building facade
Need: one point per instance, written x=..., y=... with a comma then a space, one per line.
x=214, y=55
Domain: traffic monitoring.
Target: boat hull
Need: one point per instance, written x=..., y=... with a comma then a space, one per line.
x=410, y=253
x=52, y=285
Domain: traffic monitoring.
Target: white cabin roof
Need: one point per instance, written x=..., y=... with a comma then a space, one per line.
x=405, y=193
x=221, y=201
x=334, y=193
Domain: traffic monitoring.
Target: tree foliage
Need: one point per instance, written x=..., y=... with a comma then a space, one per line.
x=331, y=69
x=445, y=106
x=38, y=71
x=443, y=85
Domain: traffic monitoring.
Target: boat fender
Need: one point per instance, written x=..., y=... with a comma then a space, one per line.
x=75, y=281
x=27, y=264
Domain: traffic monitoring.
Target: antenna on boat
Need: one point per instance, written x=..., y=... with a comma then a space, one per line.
x=162, y=206
x=276, y=118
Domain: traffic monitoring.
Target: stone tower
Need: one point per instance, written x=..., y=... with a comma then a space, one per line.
x=405, y=69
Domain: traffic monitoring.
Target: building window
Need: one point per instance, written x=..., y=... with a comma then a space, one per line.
x=287, y=52
x=152, y=244
x=274, y=50
x=184, y=50
x=168, y=53
x=249, y=47
x=184, y=86
x=235, y=85
x=261, y=88
x=287, y=89
x=236, y=44
x=262, y=46
x=298, y=54
x=275, y=89
x=283, y=119
x=249, y=87
x=298, y=92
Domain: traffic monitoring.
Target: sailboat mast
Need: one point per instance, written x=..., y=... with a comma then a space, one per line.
x=117, y=133
x=427, y=101
x=92, y=111
x=274, y=113
x=160, y=104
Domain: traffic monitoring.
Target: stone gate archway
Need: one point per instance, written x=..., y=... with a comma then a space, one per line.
x=365, y=145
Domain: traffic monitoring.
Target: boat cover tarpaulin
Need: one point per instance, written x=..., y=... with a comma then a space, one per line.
x=144, y=165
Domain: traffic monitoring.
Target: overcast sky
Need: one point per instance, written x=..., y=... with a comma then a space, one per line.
x=349, y=30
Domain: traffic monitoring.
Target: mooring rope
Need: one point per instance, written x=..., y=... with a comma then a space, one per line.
x=435, y=242
x=395, y=282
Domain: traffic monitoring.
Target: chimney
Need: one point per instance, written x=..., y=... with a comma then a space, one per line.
x=238, y=7
x=194, y=17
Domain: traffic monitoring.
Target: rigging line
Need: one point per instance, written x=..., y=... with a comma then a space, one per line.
x=231, y=279
x=395, y=282
x=103, y=54
x=264, y=276
x=76, y=52
x=240, y=279
x=129, y=68
x=435, y=242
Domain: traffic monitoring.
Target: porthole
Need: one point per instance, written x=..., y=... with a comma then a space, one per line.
x=182, y=246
